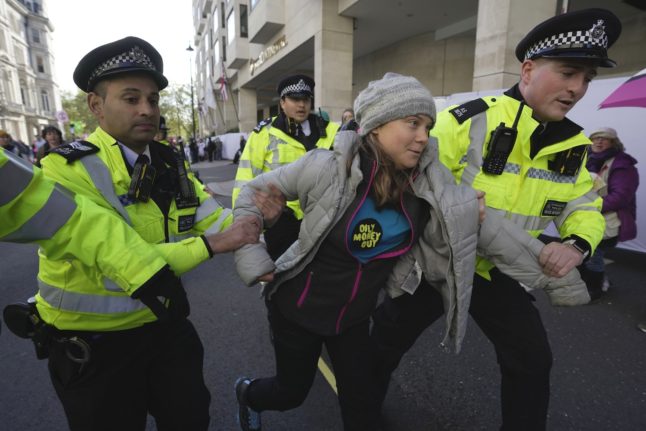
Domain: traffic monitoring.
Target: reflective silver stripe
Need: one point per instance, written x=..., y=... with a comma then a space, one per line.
x=273, y=147
x=47, y=221
x=553, y=177
x=583, y=203
x=535, y=223
x=512, y=168
x=15, y=176
x=244, y=163
x=179, y=237
x=205, y=209
x=85, y=303
x=217, y=225
x=103, y=182
x=477, y=134
x=111, y=285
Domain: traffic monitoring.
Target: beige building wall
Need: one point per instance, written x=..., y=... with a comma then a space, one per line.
x=319, y=42
x=444, y=66
x=630, y=50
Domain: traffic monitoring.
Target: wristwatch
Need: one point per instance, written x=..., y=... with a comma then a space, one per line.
x=577, y=245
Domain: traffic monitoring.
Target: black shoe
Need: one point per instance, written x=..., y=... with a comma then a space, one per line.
x=248, y=419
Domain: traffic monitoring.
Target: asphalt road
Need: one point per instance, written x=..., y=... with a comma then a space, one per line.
x=598, y=379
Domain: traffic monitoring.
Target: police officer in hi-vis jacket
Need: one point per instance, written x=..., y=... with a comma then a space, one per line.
x=529, y=158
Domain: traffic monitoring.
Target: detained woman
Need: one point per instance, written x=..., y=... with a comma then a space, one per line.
x=379, y=196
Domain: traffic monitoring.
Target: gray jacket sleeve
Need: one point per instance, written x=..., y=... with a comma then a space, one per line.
x=515, y=253
x=252, y=260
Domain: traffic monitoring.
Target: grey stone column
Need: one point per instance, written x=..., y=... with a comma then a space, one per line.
x=501, y=25
x=333, y=61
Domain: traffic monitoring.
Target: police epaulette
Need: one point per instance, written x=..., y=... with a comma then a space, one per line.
x=76, y=150
x=467, y=110
x=262, y=124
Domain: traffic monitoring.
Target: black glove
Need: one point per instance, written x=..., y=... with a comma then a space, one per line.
x=164, y=284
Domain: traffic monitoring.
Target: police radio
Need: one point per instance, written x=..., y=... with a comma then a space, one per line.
x=500, y=146
x=186, y=197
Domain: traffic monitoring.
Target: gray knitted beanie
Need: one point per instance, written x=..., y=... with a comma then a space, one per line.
x=392, y=97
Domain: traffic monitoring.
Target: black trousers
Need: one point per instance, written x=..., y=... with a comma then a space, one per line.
x=154, y=369
x=297, y=352
x=505, y=313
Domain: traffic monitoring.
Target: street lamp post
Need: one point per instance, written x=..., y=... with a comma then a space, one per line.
x=190, y=68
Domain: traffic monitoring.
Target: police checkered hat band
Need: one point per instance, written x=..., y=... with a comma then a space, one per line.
x=299, y=87
x=128, y=55
x=585, y=34
x=594, y=37
x=135, y=56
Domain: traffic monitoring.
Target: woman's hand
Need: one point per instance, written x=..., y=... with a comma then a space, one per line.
x=481, y=204
x=267, y=277
x=271, y=203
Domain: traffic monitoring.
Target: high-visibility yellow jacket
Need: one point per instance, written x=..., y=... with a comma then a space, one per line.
x=76, y=296
x=268, y=148
x=527, y=191
x=35, y=209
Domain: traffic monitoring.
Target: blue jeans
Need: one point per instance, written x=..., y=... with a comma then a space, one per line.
x=595, y=263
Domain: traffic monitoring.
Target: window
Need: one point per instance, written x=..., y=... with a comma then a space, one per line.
x=35, y=35
x=23, y=95
x=224, y=48
x=254, y=3
x=44, y=99
x=244, y=29
x=222, y=14
x=3, y=41
x=216, y=21
x=40, y=64
x=216, y=52
x=231, y=25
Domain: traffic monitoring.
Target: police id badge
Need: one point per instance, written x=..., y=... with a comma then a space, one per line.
x=553, y=208
x=185, y=222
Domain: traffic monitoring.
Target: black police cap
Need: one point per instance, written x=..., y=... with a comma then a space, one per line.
x=127, y=55
x=296, y=86
x=585, y=34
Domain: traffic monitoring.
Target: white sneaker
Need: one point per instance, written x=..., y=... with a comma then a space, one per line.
x=642, y=326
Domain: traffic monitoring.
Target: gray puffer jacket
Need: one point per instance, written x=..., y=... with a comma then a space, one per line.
x=447, y=248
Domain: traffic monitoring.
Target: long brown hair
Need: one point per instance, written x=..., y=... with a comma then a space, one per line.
x=389, y=183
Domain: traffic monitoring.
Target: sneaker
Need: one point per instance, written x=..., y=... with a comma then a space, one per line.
x=642, y=326
x=248, y=419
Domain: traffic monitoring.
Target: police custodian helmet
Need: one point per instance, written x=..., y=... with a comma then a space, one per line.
x=583, y=34
x=127, y=55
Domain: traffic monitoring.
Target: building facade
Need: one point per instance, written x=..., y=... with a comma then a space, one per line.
x=244, y=47
x=29, y=96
